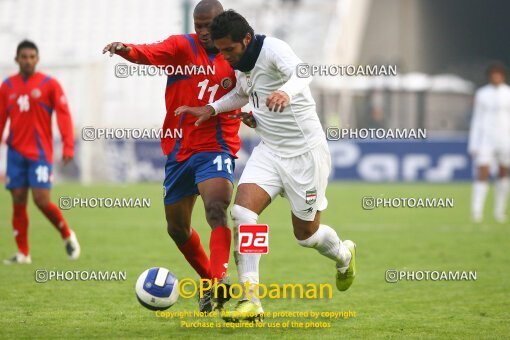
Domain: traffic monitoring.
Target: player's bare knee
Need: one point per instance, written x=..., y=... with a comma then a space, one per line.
x=503, y=172
x=216, y=212
x=304, y=230
x=176, y=234
x=19, y=201
x=41, y=201
x=303, y=234
x=19, y=198
x=180, y=233
x=483, y=173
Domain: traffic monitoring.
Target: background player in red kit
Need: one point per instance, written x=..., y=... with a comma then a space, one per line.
x=202, y=161
x=28, y=99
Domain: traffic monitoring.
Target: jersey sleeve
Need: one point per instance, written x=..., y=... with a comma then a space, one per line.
x=286, y=61
x=3, y=109
x=64, y=119
x=166, y=52
x=233, y=100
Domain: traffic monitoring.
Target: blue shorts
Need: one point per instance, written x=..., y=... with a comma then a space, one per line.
x=181, y=178
x=23, y=172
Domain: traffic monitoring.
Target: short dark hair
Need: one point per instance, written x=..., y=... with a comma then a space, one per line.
x=26, y=44
x=497, y=66
x=230, y=23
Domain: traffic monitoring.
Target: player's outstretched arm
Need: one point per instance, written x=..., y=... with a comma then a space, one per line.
x=64, y=121
x=233, y=100
x=115, y=48
x=160, y=53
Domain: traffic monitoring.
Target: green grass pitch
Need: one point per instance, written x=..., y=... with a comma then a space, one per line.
x=133, y=240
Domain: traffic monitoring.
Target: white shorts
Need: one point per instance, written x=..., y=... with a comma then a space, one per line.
x=491, y=155
x=302, y=179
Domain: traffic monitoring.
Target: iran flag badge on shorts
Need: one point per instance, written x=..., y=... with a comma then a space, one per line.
x=311, y=196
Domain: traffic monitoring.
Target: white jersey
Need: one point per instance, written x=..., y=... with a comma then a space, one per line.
x=297, y=129
x=490, y=125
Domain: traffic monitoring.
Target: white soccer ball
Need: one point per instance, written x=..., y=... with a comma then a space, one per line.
x=157, y=288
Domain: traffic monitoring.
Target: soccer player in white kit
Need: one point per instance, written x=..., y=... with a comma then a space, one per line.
x=489, y=141
x=292, y=159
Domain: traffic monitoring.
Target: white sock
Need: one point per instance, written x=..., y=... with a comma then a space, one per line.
x=327, y=243
x=247, y=264
x=480, y=189
x=500, y=196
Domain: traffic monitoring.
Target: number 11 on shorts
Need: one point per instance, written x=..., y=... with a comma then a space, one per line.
x=219, y=163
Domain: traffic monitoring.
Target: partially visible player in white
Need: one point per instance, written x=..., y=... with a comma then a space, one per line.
x=489, y=142
x=292, y=159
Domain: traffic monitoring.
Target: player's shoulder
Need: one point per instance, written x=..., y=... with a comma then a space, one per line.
x=8, y=81
x=179, y=39
x=183, y=37
x=275, y=44
x=484, y=90
x=185, y=42
x=43, y=76
x=46, y=79
x=274, y=47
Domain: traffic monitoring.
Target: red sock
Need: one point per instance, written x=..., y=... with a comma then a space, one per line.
x=196, y=256
x=53, y=213
x=219, y=245
x=20, y=226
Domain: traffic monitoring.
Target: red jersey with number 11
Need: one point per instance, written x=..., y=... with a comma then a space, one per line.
x=182, y=52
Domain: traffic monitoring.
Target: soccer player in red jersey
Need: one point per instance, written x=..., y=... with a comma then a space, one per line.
x=28, y=99
x=202, y=161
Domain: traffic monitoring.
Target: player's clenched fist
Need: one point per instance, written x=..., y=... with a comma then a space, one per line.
x=277, y=101
x=203, y=113
x=115, y=47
